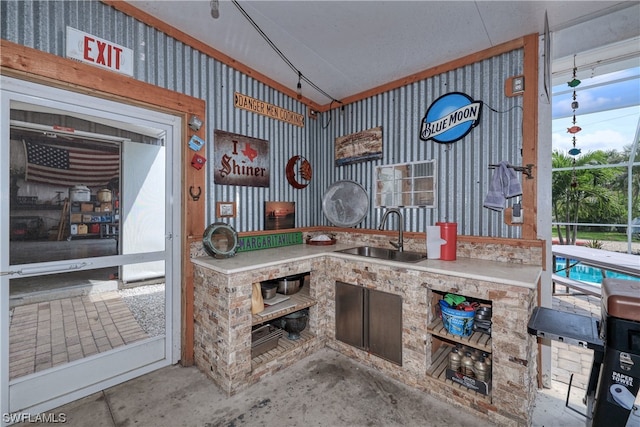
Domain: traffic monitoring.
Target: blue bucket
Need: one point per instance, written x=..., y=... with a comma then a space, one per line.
x=457, y=322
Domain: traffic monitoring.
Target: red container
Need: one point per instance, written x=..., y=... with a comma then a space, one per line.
x=94, y=228
x=449, y=233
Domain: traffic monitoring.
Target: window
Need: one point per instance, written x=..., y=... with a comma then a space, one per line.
x=406, y=185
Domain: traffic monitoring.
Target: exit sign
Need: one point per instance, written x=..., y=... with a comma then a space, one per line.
x=93, y=50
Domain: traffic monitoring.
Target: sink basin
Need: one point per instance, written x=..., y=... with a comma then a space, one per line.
x=383, y=253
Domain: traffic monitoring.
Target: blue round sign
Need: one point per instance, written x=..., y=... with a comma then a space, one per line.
x=450, y=118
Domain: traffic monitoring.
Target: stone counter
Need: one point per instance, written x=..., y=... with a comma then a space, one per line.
x=472, y=268
x=223, y=319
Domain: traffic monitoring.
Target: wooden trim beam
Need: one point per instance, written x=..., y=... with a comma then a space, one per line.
x=530, y=137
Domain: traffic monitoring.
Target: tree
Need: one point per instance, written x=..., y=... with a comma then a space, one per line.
x=621, y=181
x=585, y=196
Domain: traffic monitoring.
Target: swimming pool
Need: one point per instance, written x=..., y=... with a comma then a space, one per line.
x=586, y=273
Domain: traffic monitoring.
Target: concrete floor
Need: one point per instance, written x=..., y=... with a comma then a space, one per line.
x=324, y=389
x=350, y=395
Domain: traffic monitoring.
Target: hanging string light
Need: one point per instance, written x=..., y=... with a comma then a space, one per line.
x=301, y=76
x=575, y=128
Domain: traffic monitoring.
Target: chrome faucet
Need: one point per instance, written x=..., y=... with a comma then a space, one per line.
x=399, y=246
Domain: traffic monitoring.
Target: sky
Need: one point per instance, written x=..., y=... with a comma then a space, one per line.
x=608, y=113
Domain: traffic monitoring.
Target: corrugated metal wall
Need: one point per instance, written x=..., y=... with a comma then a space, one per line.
x=463, y=167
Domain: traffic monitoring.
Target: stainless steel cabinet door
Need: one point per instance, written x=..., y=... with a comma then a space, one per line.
x=350, y=314
x=385, y=325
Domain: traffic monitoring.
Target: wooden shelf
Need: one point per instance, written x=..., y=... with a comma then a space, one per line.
x=77, y=212
x=476, y=340
x=438, y=368
x=301, y=300
x=284, y=345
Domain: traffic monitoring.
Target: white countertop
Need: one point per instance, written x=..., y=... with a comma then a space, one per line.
x=500, y=272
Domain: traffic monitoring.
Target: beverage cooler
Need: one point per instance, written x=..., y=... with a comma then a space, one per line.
x=612, y=392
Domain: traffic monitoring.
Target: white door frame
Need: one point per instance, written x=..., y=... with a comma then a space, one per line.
x=35, y=387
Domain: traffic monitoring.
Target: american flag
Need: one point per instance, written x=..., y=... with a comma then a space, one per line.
x=66, y=166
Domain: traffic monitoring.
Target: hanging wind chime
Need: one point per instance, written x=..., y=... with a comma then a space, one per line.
x=575, y=128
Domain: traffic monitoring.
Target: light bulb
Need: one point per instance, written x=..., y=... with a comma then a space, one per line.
x=299, y=87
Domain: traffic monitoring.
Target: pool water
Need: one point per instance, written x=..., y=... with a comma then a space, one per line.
x=586, y=273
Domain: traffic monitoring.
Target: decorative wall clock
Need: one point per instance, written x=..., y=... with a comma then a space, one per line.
x=298, y=172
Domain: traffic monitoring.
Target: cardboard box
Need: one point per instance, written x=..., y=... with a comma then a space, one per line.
x=86, y=218
x=471, y=383
x=75, y=217
x=105, y=207
x=86, y=207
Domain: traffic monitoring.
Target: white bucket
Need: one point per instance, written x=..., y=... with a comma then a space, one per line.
x=79, y=193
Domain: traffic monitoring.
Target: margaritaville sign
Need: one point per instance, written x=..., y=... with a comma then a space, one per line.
x=260, y=107
x=267, y=241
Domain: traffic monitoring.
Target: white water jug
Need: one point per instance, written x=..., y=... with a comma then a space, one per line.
x=434, y=241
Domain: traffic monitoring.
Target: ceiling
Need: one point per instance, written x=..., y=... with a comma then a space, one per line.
x=348, y=47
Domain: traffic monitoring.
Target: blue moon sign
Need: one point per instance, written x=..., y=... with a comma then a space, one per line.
x=450, y=118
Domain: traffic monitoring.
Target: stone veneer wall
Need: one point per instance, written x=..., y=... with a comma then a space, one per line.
x=222, y=323
x=513, y=349
x=514, y=251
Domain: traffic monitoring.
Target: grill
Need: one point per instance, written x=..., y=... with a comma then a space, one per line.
x=614, y=381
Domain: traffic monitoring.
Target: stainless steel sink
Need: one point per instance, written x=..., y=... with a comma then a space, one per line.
x=383, y=253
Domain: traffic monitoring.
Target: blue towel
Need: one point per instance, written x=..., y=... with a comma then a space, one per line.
x=495, y=196
x=504, y=184
x=513, y=188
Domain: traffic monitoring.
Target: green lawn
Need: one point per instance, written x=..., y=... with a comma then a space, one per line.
x=609, y=236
